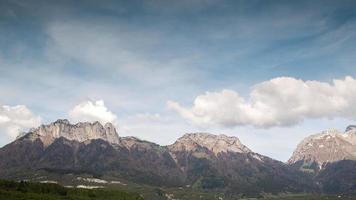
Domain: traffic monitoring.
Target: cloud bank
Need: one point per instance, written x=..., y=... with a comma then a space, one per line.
x=282, y=101
x=14, y=120
x=92, y=111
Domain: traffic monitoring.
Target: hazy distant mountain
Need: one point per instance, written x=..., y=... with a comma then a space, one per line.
x=197, y=160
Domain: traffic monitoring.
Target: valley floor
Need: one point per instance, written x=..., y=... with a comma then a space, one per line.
x=10, y=190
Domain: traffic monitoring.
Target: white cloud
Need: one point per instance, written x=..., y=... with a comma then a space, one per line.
x=281, y=101
x=92, y=111
x=15, y=119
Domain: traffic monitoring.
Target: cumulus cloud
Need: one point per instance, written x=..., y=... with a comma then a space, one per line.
x=281, y=101
x=14, y=120
x=92, y=111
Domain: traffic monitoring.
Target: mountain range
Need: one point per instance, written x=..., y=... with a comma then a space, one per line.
x=322, y=163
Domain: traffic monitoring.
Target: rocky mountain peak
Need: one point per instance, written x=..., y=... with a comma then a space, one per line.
x=214, y=143
x=81, y=132
x=61, y=121
x=326, y=147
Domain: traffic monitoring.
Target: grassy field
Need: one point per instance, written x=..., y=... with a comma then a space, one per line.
x=11, y=190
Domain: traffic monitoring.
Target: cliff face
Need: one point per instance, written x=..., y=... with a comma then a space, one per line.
x=80, y=132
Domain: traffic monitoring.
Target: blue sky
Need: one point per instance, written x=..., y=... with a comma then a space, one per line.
x=136, y=56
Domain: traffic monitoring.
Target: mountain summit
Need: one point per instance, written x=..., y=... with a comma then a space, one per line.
x=214, y=143
x=330, y=158
x=329, y=146
x=81, y=132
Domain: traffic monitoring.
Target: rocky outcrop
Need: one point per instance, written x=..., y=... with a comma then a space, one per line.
x=81, y=132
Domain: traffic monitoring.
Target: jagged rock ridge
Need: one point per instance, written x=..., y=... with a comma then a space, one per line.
x=81, y=132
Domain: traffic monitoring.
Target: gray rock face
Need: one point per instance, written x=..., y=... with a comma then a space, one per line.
x=315, y=151
x=81, y=132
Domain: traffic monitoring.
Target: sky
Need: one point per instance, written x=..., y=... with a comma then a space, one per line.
x=267, y=72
